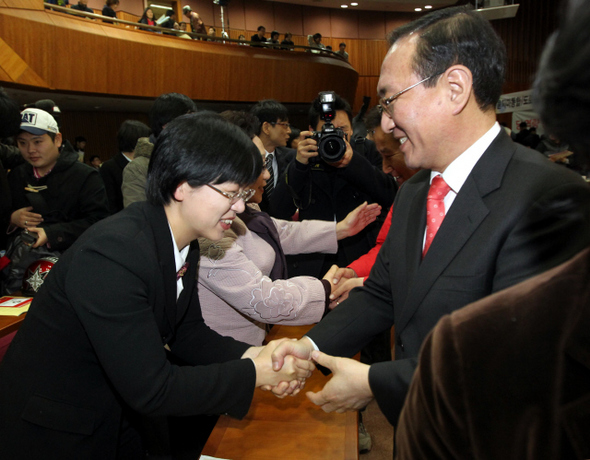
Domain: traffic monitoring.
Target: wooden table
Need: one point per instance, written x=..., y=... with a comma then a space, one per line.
x=10, y=324
x=287, y=429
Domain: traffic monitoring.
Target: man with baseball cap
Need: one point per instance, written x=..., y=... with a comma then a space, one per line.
x=54, y=196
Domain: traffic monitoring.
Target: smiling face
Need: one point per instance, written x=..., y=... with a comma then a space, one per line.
x=39, y=150
x=149, y=14
x=203, y=212
x=418, y=115
x=393, y=160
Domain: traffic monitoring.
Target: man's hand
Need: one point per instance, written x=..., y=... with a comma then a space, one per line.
x=307, y=148
x=340, y=292
x=357, y=220
x=347, y=390
x=25, y=218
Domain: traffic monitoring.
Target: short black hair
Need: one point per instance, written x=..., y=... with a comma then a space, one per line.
x=274, y=33
x=260, y=28
x=129, y=132
x=170, y=13
x=317, y=35
x=9, y=116
x=342, y=44
x=48, y=106
x=270, y=111
x=167, y=107
x=93, y=157
x=561, y=92
x=200, y=148
x=458, y=35
x=246, y=121
x=315, y=110
x=79, y=139
x=373, y=119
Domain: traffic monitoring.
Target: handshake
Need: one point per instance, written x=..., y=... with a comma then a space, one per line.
x=283, y=365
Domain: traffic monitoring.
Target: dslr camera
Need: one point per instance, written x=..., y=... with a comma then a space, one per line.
x=331, y=145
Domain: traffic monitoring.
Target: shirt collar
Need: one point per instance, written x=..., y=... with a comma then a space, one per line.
x=179, y=256
x=457, y=172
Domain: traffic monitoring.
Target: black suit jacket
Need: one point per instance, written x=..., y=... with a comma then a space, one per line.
x=323, y=192
x=516, y=215
x=111, y=172
x=92, y=346
x=284, y=156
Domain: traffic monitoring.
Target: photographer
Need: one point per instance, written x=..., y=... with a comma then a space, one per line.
x=329, y=188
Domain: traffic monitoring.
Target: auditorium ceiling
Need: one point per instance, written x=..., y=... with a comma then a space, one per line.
x=375, y=5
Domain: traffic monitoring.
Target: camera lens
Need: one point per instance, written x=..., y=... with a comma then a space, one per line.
x=332, y=148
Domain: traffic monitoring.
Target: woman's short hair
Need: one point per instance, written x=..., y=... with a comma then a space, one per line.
x=200, y=148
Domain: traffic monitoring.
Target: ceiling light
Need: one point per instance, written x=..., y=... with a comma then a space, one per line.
x=343, y=6
x=417, y=9
x=354, y=4
x=427, y=7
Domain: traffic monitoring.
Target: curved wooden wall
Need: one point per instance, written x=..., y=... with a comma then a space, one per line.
x=61, y=52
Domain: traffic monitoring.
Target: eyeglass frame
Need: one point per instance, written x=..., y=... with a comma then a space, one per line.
x=385, y=104
x=284, y=124
x=234, y=197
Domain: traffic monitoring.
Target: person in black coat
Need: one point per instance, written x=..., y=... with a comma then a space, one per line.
x=111, y=170
x=115, y=335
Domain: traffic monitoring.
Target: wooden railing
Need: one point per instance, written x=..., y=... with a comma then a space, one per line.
x=120, y=59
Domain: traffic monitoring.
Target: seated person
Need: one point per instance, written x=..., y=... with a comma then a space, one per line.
x=54, y=196
x=114, y=341
x=147, y=18
x=82, y=6
x=243, y=280
x=259, y=37
x=109, y=9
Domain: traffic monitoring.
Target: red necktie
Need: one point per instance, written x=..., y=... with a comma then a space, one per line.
x=435, y=209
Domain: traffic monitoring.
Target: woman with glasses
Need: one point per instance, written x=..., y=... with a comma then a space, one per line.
x=243, y=279
x=115, y=336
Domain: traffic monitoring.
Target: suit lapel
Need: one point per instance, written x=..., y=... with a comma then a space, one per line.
x=465, y=216
x=165, y=251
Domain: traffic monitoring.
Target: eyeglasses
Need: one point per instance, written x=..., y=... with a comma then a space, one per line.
x=386, y=105
x=234, y=197
x=284, y=124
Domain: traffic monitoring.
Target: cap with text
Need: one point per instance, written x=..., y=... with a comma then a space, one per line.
x=38, y=122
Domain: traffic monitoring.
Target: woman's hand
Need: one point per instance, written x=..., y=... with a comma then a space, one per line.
x=357, y=220
x=292, y=374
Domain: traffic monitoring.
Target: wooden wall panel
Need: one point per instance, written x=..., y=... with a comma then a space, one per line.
x=99, y=128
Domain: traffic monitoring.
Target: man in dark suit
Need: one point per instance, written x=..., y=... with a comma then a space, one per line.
x=111, y=170
x=329, y=191
x=115, y=334
x=274, y=133
x=507, y=214
x=509, y=376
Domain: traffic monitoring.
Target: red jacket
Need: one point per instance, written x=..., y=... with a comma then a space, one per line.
x=362, y=266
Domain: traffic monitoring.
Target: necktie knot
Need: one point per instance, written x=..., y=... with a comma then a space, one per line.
x=438, y=189
x=180, y=273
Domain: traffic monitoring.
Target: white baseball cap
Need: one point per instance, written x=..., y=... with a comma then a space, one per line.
x=38, y=122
